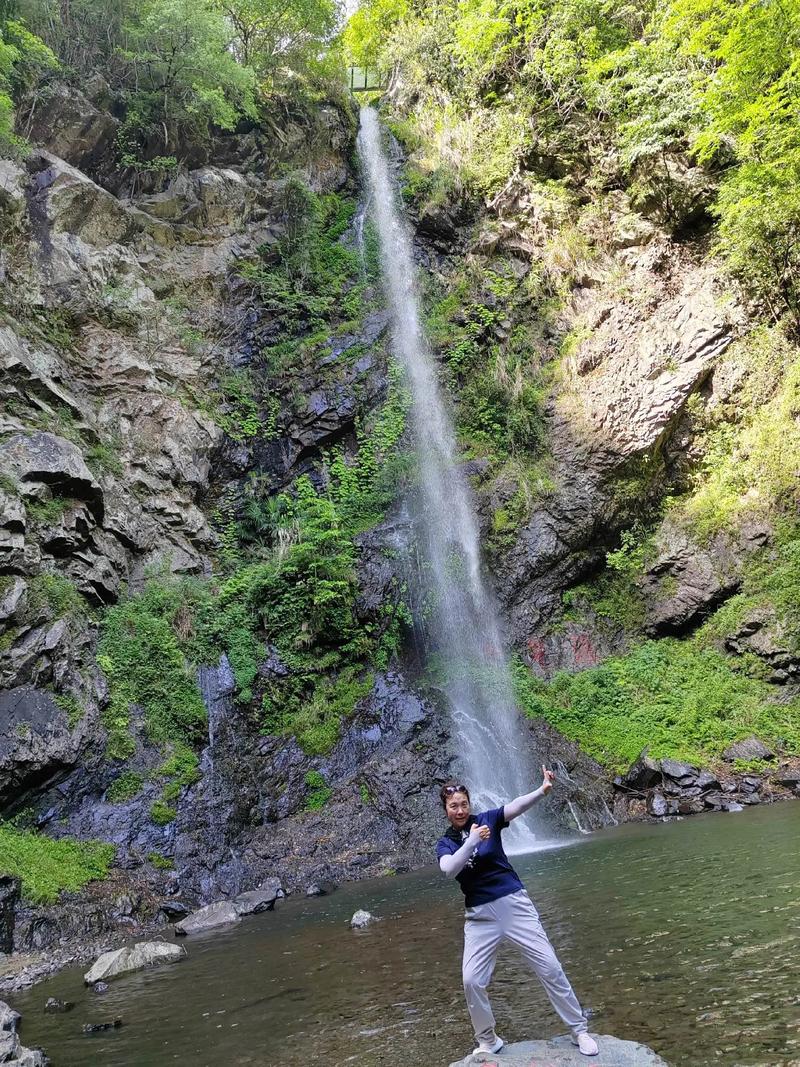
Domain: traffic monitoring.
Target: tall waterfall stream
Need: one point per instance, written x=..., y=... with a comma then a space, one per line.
x=464, y=628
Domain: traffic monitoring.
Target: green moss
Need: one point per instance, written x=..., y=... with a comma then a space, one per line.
x=319, y=792
x=675, y=697
x=162, y=814
x=161, y=863
x=125, y=787
x=72, y=707
x=47, y=866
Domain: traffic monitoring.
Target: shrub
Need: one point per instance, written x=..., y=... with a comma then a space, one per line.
x=47, y=866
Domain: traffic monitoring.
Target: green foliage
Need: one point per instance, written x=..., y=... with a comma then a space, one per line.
x=181, y=768
x=309, y=279
x=125, y=787
x=239, y=413
x=161, y=813
x=24, y=61
x=272, y=36
x=46, y=866
x=53, y=595
x=140, y=653
x=161, y=863
x=319, y=792
x=676, y=697
x=614, y=595
x=70, y=706
x=751, y=449
x=366, y=797
x=46, y=512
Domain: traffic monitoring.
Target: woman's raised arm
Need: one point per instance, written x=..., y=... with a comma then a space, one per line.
x=520, y=805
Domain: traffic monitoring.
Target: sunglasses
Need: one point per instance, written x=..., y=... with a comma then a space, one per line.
x=450, y=789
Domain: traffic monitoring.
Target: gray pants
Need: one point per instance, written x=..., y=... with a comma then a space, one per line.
x=514, y=918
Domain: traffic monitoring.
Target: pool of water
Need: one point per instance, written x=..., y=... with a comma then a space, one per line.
x=683, y=935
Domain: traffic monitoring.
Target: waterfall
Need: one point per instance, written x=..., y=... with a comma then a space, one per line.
x=464, y=629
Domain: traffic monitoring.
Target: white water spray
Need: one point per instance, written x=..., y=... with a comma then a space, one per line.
x=494, y=758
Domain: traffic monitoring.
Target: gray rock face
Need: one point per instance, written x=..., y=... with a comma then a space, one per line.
x=12, y=1052
x=68, y=124
x=223, y=913
x=560, y=1052
x=9, y=895
x=124, y=960
x=36, y=743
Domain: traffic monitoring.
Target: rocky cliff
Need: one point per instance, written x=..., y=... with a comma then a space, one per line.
x=207, y=579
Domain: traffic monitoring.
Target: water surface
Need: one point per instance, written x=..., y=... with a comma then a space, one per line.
x=684, y=936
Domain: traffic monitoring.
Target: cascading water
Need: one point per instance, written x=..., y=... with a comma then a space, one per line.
x=464, y=629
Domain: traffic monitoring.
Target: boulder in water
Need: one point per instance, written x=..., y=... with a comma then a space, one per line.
x=362, y=919
x=54, y=1006
x=122, y=960
x=560, y=1052
x=12, y=1053
x=222, y=913
x=261, y=899
x=98, y=1028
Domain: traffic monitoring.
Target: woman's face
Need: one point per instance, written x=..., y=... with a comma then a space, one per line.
x=457, y=809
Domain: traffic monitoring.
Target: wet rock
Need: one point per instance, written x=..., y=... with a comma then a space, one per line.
x=173, y=910
x=706, y=780
x=731, y=805
x=560, y=1052
x=787, y=777
x=9, y=895
x=750, y=784
x=747, y=749
x=258, y=900
x=658, y=805
x=12, y=1052
x=361, y=919
x=681, y=773
x=99, y=988
x=222, y=913
x=643, y=774
x=54, y=1006
x=691, y=807
x=123, y=960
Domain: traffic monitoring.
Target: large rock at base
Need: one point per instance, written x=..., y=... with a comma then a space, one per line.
x=123, y=960
x=262, y=899
x=12, y=1053
x=220, y=914
x=560, y=1052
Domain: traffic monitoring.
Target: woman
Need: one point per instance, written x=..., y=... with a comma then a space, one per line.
x=498, y=907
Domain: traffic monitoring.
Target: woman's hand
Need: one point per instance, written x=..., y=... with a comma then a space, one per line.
x=483, y=832
x=549, y=778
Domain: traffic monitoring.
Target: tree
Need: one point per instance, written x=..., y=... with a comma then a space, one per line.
x=272, y=33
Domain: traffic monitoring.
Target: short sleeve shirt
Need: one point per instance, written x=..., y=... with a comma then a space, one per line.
x=488, y=875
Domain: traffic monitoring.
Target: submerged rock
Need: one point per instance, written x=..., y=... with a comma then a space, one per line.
x=560, y=1052
x=361, y=919
x=54, y=1006
x=221, y=913
x=122, y=960
x=97, y=1028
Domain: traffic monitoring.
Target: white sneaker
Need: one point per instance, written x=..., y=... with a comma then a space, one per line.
x=586, y=1044
x=489, y=1046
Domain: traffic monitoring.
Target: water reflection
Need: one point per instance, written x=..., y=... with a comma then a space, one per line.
x=684, y=936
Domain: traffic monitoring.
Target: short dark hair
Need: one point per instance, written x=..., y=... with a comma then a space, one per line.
x=449, y=788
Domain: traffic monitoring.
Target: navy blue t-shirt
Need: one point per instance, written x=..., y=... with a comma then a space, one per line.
x=488, y=875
